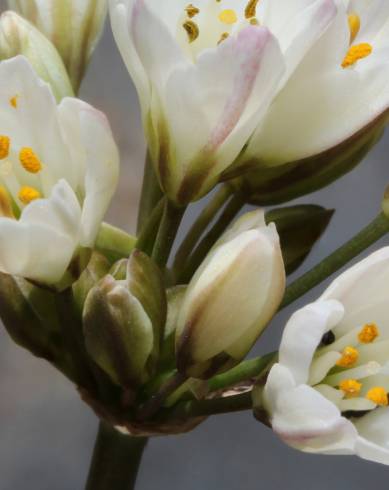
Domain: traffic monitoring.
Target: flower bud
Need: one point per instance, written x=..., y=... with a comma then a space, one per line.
x=231, y=298
x=124, y=320
x=19, y=37
x=299, y=228
x=73, y=26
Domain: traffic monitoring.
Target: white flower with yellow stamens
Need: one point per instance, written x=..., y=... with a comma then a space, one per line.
x=206, y=72
x=338, y=94
x=58, y=172
x=73, y=26
x=328, y=393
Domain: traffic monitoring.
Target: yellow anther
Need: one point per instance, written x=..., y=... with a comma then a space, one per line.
x=368, y=333
x=356, y=53
x=28, y=194
x=192, y=11
x=251, y=9
x=14, y=101
x=350, y=387
x=223, y=37
x=191, y=29
x=5, y=143
x=378, y=396
x=349, y=357
x=354, y=22
x=5, y=204
x=30, y=161
x=228, y=16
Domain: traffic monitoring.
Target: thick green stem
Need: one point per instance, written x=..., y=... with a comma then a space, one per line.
x=200, y=225
x=231, y=210
x=115, y=461
x=170, y=222
x=151, y=194
x=114, y=243
x=366, y=237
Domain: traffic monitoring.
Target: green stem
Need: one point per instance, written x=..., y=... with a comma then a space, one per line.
x=244, y=371
x=170, y=222
x=366, y=237
x=235, y=204
x=204, y=408
x=150, y=195
x=116, y=459
x=149, y=231
x=200, y=225
x=114, y=243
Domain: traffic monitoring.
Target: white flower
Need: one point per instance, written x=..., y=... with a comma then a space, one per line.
x=338, y=92
x=329, y=391
x=206, y=73
x=58, y=171
x=231, y=298
x=73, y=26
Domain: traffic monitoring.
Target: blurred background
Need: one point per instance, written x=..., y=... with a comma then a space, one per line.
x=47, y=433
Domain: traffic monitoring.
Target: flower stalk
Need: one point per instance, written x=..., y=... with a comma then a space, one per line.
x=115, y=461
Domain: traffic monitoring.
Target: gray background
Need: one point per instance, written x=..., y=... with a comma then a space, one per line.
x=47, y=433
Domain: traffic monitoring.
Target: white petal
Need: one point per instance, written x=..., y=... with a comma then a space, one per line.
x=41, y=244
x=321, y=365
x=89, y=135
x=373, y=443
x=305, y=419
x=303, y=334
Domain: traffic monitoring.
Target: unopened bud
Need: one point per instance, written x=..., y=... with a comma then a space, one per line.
x=299, y=228
x=73, y=26
x=19, y=37
x=231, y=298
x=124, y=320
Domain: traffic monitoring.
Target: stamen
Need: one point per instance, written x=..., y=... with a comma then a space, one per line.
x=254, y=21
x=251, y=9
x=368, y=333
x=5, y=204
x=192, y=11
x=192, y=30
x=378, y=396
x=5, y=143
x=14, y=101
x=354, y=23
x=28, y=194
x=350, y=387
x=228, y=16
x=356, y=53
x=349, y=357
x=223, y=37
x=30, y=161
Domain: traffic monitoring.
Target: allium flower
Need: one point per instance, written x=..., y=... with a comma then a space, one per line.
x=206, y=73
x=58, y=171
x=73, y=26
x=329, y=391
x=337, y=94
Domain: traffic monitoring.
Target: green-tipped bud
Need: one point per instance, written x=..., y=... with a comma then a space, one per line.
x=231, y=298
x=29, y=316
x=124, y=321
x=97, y=268
x=73, y=26
x=299, y=228
x=19, y=37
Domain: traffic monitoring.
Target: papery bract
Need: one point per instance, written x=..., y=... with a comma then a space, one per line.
x=328, y=391
x=58, y=172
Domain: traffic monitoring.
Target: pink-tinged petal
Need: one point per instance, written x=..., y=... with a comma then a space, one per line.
x=214, y=105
